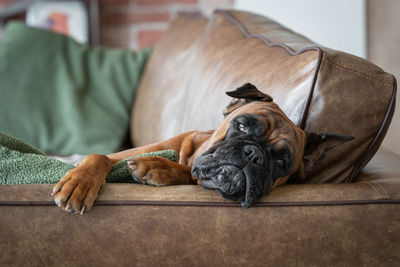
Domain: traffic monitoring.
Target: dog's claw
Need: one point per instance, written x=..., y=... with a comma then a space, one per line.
x=58, y=202
x=132, y=164
x=55, y=191
x=83, y=210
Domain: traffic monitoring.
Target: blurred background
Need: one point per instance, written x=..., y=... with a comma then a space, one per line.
x=366, y=28
x=130, y=24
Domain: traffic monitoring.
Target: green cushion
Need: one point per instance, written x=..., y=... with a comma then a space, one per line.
x=64, y=97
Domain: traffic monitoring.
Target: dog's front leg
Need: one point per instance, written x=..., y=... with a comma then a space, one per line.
x=79, y=188
x=159, y=171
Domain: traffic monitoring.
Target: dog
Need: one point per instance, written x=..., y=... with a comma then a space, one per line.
x=255, y=149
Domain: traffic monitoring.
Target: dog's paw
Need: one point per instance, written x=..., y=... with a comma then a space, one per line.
x=79, y=188
x=74, y=194
x=155, y=171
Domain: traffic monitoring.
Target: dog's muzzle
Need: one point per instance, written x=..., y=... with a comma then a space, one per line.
x=238, y=169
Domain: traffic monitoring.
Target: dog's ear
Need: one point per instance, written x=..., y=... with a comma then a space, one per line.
x=318, y=144
x=243, y=95
x=249, y=92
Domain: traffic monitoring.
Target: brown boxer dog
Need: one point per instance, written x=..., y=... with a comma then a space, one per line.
x=255, y=149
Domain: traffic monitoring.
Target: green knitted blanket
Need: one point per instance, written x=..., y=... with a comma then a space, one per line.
x=21, y=163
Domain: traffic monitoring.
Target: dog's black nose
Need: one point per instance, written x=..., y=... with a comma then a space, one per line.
x=253, y=154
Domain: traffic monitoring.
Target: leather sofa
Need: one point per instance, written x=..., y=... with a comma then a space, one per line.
x=345, y=213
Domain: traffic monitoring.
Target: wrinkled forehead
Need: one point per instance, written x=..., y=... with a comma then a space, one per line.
x=259, y=108
x=278, y=125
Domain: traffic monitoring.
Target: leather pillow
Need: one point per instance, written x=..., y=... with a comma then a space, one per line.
x=321, y=90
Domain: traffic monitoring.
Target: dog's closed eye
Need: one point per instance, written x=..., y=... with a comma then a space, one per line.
x=241, y=127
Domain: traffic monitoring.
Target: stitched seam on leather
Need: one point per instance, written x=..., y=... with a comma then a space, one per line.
x=268, y=42
x=128, y=196
x=381, y=195
x=213, y=204
x=259, y=204
x=363, y=74
x=352, y=67
x=384, y=193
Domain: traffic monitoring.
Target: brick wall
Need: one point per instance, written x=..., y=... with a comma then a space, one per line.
x=135, y=24
x=5, y=2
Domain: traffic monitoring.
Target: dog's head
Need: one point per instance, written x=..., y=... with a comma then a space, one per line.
x=256, y=148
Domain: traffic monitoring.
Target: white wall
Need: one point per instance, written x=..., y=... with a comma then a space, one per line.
x=338, y=24
x=383, y=50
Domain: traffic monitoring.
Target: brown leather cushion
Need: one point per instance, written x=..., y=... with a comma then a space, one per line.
x=320, y=90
